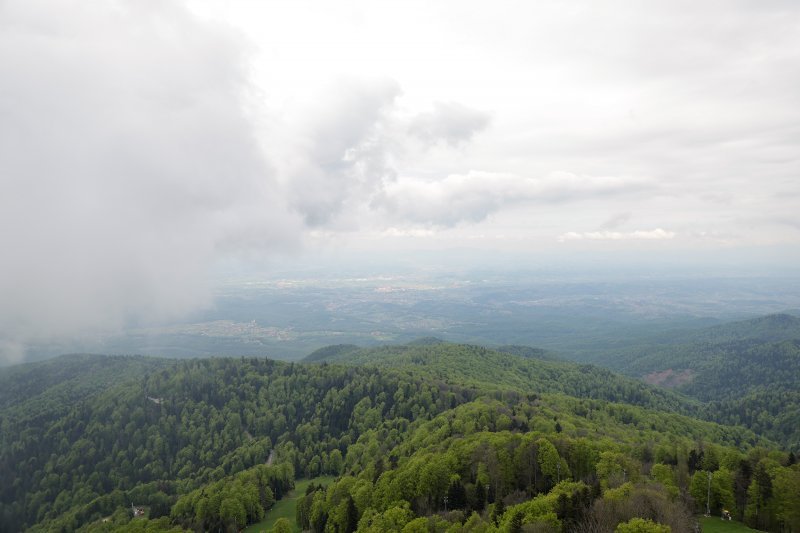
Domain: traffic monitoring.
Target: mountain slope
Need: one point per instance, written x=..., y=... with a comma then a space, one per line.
x=769, y=328
x=80, y=373
x=47, y=387
x=678, y=348
x=182, y=426
x=747, y=372
x=488, y=369
x=736, y=382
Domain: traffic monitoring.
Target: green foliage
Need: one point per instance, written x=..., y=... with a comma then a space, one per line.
x=639, y=525
x=235, y=501
x=36, y=388
x=425, y=438
x=744, y=372
x=183, y=425
x=492, y=370
x=330, y=352
x=615, y=468
x=391, y=520
x=282, y=525
x=786, y=487
x=665, y=474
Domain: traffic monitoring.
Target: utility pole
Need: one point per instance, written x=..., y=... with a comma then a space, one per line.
x=708, y=496
x=445, y=504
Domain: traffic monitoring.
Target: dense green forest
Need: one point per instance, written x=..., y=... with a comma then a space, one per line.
x=485, y=369
x=741, y=382
x=424, y=437
x=745, y=372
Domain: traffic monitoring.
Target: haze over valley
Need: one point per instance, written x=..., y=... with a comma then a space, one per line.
x=287, y=318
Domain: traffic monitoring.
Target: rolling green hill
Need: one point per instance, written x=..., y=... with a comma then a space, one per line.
x=770, y=328
x=47, y=387
x=483, y=368
x=745, y=382
x=212, y=444
x=745, y=372
x=683, y=347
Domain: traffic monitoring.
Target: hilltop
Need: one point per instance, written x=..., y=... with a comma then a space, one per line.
x=483, y=368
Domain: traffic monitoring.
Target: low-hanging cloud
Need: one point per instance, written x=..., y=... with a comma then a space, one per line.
x=126, y=163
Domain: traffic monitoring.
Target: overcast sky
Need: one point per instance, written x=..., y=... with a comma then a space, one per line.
x=144, y=143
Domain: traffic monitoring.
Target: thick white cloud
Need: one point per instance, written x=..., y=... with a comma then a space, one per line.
x=341, y=151
x=472, y=197
x=126, y=163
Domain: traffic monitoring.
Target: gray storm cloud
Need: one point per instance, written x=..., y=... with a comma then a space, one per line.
x=126, y=162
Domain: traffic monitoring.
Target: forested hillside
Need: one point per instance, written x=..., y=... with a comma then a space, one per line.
x=642, y=354
x=737, y=382
x=744, y=372
x=67, y=379
x=486, y=369
x=504, y=444
x=770, y=328
x=188, y=424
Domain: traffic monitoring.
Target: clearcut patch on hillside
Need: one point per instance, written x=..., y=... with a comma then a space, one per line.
x=670, y=378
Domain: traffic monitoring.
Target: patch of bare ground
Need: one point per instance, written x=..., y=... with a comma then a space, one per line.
x=670, y=378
